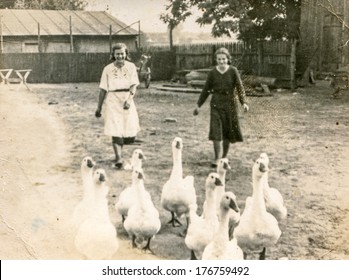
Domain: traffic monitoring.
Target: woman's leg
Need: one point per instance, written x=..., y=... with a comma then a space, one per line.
x=117, y=146
x=226, y=145
x=217, y=147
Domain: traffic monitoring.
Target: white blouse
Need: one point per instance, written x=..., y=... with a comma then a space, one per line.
x=114, y=78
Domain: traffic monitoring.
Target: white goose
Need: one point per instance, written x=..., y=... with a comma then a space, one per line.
x=83, y=208
x=273, y=198
x=128, y=196
x=178, y=192
x=221, y=248
x=96, y=238
x=257, y=228
x=223, y=165
x=142, y=222
x=136, y=160
x=201, y=229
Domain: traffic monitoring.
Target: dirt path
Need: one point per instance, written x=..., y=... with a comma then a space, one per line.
x=38, y=193
x=40, y=180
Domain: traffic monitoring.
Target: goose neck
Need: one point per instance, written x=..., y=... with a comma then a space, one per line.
x=257, y=196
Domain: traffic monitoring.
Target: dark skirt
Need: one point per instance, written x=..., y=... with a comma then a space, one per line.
x=224, y=123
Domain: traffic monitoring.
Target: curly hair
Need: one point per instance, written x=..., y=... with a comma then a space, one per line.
x=119, y=46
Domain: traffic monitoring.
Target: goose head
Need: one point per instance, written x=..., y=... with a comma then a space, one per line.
x=99, y=176
x=137, y=174
x=137, y=155
x=177, y=143
x=260, y=167
x=87, y=163
x=265, y=157
x=228, y=202
x=213, y=181
x=223, y=165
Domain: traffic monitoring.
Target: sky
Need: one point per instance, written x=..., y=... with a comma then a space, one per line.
x=147, y=11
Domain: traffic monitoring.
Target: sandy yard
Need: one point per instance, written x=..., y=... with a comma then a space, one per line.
x=46, y=133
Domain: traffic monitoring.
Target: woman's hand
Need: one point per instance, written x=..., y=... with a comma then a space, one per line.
x=245, y=107
x=98, y=113
x=126, y=105
x=196, y=111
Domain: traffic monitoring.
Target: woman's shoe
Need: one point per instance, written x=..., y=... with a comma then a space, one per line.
x=118, y=165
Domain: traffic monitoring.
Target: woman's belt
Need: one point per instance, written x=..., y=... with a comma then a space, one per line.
x=119, y=90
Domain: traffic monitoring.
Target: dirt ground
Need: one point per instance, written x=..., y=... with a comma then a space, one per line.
x=46, y=133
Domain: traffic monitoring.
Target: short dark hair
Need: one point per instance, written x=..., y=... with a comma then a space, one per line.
x=223, y=51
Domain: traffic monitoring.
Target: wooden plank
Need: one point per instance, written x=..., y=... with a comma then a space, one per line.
x=183, y=90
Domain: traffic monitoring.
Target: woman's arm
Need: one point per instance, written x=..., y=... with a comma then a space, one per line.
x=102, y=93
x=240, y=90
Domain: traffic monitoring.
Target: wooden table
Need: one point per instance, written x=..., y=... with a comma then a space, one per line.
x=23, y=75
x=5, y=75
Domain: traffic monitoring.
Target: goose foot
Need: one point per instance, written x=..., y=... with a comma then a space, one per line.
x=192, y=256
x=245, y=255
x=174, y=220
x=134, y=241
x=147, y=247
x=262, y=254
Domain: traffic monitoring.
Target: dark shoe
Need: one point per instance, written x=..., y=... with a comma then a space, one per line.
x=117, y=165
x=214, y=164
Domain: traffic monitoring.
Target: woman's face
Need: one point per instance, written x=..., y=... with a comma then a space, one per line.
x=221, y=59
x=120, y=55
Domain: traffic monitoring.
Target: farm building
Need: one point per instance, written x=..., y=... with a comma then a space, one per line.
x=324, y=35
x=53, y=31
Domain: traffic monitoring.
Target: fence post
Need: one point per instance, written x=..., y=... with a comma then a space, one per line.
x=71, y=35
x=110, y=38
x=293, y=65
x=260, y=57
x=1, y=38
x=39, y=39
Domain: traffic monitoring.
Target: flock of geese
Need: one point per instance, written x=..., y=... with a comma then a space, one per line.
x=221, y=232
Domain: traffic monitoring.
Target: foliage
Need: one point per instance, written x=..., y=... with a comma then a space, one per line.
x=253, y=19
x=177, y=12
x=9, y=4
x=50, y=4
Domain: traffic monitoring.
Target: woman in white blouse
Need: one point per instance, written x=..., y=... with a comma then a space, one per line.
x=118, y=86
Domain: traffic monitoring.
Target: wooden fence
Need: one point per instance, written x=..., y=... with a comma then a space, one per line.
x=268, y=58
x=273, y=59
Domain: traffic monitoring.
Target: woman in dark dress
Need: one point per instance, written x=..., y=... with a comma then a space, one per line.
x=225, y=85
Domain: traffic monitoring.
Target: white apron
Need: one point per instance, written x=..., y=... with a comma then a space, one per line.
x=120, y=122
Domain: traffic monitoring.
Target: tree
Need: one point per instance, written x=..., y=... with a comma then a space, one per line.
x=253, y=19
x=178, y=11
x=7, y=4
x=50, y=4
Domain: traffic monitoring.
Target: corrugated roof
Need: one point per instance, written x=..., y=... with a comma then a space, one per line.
x=52, y=22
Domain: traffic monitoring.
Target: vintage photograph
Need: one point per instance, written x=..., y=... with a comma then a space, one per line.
x=174, y=130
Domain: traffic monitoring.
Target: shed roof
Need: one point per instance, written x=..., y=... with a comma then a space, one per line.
x=16, y=22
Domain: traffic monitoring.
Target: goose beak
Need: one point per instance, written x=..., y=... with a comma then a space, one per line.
x=262, y=167
x=90, y=163
x=218, y=182
x=178, y=145
x=226, y=166
x=102, y=178
x=141, y=156
x=234, y=206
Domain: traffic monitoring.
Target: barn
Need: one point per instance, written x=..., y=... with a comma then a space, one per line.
x=62, y=31
x=324, y=36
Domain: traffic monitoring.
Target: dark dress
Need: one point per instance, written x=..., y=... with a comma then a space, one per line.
x=226, y=90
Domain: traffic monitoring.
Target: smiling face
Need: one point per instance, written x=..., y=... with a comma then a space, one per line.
x=120, y=56
x=221, y=59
